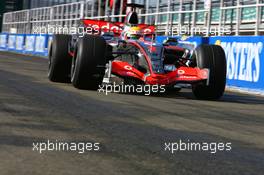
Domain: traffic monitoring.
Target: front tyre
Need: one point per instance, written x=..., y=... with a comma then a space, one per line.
x=213, y=58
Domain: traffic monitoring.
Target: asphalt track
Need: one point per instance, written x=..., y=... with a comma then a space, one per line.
x=131, y=129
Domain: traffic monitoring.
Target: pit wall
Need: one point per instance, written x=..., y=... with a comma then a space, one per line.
x=245, y=55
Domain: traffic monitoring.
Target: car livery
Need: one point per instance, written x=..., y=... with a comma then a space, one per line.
x=129, y=51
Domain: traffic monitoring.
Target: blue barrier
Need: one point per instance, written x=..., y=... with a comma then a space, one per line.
x=245, y=55
x=30, y=44
x=3, y=41
x=11, y=45
x=41, y=45
x=20, y=39
x=245, y=61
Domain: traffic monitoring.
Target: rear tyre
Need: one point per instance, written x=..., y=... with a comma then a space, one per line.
x=88, y=65
x=213, y=58
x=59, y=59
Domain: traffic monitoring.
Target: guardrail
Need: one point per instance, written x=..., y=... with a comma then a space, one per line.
x=245, y=55
x=240, y=17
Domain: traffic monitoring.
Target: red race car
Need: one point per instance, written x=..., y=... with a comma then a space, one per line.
x=128, y=51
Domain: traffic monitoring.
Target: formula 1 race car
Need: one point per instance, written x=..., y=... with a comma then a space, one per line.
x=129, y=51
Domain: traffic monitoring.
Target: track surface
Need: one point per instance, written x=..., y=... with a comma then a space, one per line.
x=131, y=129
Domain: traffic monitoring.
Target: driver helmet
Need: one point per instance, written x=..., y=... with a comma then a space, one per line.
x=134, y=33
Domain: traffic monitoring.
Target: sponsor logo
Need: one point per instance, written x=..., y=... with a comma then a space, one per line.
x=181, y=72
x=243, y=60
x=128, y=67
x=116, y=27
x=188, y=77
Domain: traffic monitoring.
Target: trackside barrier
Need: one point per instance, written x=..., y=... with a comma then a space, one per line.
x=245, y=61
x=20, y=40
x=36, y=44
x=245, y=55
x=3, y=41
x=25, y=43
x=11, y=45
x=41, y=44
x=30, y=44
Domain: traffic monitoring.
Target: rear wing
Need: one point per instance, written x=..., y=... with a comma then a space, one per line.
x=117, y=28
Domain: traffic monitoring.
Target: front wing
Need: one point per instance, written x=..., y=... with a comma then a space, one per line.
x=186, y=75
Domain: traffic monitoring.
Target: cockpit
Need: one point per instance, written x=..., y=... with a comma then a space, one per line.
x=155, y=52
